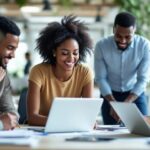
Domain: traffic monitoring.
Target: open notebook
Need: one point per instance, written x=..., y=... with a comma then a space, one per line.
x=73, y=114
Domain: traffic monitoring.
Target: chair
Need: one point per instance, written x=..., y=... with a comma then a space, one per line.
x=22, y=107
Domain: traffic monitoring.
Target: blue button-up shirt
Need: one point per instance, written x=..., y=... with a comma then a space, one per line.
x=122, y=70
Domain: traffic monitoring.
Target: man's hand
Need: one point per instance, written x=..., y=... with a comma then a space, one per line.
x=132, y=97
x=2, y=73
x=147, y=119
x=9, y=121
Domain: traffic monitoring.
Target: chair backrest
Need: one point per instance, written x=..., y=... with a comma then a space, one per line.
x=22, y=107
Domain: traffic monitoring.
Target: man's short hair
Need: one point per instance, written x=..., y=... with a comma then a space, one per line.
x=8, y=26
x=125, y=19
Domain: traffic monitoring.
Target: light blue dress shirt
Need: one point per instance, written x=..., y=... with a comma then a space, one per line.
x=122, y=70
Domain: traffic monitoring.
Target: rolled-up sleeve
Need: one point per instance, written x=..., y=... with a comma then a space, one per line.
x=143, y=72
x=6, y=102
x=101, y=71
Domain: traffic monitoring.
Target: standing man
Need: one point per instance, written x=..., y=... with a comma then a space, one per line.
x=122, y=64
x=9, y=39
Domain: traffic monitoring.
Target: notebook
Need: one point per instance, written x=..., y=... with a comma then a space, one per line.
x=73, y=114
x=132, y=118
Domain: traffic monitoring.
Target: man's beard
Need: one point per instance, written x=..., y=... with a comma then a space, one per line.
x=122, y=49
x=2, y=64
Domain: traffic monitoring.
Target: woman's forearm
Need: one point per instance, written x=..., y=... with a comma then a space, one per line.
x=37, y=120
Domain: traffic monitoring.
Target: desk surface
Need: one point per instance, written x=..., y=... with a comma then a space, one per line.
x=123, y=140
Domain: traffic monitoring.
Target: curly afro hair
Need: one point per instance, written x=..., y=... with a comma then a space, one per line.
x=56, y=33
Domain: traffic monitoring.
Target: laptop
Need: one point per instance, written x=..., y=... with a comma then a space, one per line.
x=73, y=114
x=132, y=118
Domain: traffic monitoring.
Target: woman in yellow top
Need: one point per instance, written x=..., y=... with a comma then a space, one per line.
x=63, y=46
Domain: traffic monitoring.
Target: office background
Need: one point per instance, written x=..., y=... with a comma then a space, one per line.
x=33, y=15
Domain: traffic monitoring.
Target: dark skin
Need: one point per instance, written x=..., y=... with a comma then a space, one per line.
x=67, y=55
x=123, y=37
x=8, y=46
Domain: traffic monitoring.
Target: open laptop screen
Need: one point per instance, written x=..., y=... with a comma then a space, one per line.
x=73, y=114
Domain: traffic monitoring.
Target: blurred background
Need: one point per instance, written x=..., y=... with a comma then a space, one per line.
x=33, y=15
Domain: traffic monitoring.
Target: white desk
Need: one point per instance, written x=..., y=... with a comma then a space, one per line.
x=123, y=141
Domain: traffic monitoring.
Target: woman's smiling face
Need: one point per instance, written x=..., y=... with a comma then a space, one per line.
x=67, y=54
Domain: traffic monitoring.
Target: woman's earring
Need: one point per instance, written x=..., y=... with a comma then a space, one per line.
x=54, y=55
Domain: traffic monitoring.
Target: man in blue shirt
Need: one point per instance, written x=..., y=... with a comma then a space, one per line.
x=122, y=64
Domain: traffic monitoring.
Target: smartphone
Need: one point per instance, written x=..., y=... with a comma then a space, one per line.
x=89, y=139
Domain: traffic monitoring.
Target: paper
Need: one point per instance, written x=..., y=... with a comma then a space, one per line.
x=19, y=141
x=16, y=134
x=18, y=137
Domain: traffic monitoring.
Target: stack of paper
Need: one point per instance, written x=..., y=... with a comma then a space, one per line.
x=18, y=137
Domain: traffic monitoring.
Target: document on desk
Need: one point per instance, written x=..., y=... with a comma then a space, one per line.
x=15, y=134
x=19, y=141
x=18, y=137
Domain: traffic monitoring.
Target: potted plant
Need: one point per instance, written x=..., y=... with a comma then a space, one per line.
x=65, y=3
x=21, y=3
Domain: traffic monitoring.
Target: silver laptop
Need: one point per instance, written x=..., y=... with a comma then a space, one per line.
x=131, y=117
x=73, y=114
